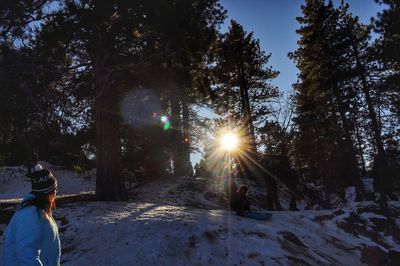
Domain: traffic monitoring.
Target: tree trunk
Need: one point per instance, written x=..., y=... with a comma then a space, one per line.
x=109, y=182
x=364, y=169
x=249, y=155
x=249, y=119
x=381, y=156
x=272, y=195
x=246, y=109
x=371, y=111
x=353, y=171
x=177, y=137
x=186, y=138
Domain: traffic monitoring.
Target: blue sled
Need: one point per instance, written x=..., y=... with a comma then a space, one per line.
x=258, y=215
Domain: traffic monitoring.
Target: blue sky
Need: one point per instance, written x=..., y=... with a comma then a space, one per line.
x=274, y=24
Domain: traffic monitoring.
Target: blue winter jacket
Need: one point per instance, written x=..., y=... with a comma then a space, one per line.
x=31, y=238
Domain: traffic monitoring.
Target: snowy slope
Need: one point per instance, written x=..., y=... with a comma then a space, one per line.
x=148, y=234
x=14, y=183
x=185, y=221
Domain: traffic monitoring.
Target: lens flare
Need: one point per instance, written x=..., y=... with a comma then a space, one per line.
x=167, y=125
x=139, y=107
x=229, y=141
x=164, y=119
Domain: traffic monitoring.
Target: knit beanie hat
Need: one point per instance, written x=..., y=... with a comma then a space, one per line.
x=43, y=181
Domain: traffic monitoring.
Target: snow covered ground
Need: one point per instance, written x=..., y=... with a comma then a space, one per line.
x=185, y=221
x=14, y=183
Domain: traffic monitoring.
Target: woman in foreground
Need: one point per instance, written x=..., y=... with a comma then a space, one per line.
x=32, y=236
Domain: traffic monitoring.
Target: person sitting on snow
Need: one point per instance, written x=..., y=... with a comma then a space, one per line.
x=239, y=201
x=32, y=236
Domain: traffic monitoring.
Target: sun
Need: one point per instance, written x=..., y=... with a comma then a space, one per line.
x=229, y=141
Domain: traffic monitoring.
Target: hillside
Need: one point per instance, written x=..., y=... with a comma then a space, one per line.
x=185, y=221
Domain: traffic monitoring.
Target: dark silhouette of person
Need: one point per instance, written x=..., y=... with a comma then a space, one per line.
x=239, y=201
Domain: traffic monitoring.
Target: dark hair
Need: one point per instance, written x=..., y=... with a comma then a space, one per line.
x=41, y=201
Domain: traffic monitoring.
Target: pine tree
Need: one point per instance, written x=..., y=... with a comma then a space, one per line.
x=388, y=25
x=324, y=98
x=369, y=76
x=242, y=89
x=32, y=80
x=114, y=46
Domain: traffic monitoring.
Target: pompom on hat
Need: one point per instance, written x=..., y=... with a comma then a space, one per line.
x=43, y=180
x=37, y=168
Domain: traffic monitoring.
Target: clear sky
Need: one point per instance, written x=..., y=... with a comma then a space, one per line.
x=274, y=24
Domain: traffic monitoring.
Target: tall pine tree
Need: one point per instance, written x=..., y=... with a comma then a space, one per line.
x=323, y=97
x=242, y=87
